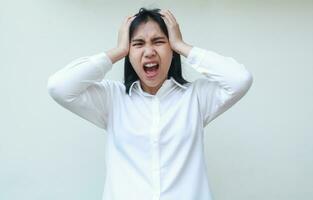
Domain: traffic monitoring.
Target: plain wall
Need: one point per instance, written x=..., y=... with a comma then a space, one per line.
x=260, y=149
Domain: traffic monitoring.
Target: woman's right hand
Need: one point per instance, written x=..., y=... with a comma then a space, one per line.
x=122, y=48
x=123, y=34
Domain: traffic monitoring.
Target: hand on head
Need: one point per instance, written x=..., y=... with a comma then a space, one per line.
x=123, y=34
x=174, y=37
x=174, y=34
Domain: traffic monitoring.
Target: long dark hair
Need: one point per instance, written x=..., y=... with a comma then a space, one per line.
x=175, y=70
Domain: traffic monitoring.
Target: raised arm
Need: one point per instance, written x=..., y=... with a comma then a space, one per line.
x=80, y=86
x=226, y=81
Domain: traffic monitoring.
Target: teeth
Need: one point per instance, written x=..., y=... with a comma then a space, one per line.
x=150, y=65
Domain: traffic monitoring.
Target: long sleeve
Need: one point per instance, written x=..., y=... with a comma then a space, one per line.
x=81, y=88
x=225, y=82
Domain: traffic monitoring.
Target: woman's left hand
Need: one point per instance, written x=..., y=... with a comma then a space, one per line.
x=174, y=34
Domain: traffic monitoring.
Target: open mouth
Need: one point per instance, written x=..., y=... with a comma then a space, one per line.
x=151, y=69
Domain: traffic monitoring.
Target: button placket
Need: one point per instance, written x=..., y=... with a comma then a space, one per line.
x=155, y=148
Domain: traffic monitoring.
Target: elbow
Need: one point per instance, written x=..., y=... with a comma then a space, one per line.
x=54, y=89
x=59, y=90
x=244, y=82
x=247, y=79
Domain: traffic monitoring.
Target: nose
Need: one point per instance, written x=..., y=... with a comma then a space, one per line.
x=149, y=51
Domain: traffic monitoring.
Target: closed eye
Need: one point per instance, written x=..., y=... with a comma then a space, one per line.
x=160, y=42
x=137, y=44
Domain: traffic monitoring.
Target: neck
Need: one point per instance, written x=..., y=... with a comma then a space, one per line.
x=151, y=90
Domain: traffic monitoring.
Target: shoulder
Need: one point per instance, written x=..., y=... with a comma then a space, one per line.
x=114, y=86
x=203, y=83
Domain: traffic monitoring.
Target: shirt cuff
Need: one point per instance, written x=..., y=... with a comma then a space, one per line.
x=195, y=57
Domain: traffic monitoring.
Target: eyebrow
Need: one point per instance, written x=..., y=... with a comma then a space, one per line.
x=153, y=39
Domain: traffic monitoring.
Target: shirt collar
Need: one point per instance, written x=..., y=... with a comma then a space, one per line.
x=171, y=81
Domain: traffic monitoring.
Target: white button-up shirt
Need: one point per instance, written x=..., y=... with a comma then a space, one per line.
x=155, y=147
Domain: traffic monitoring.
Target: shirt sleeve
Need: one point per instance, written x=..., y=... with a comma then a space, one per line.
x=225, y=82
x=81, y=88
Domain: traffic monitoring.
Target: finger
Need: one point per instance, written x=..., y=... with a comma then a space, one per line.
x=164, y=13
x=171, y=16
x=167, y=18
x=171, y=19
x=128, y=18
x=131, y=18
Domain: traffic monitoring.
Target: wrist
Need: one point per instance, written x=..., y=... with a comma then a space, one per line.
x=116, y=54
x=122, y=51
x=183, y=48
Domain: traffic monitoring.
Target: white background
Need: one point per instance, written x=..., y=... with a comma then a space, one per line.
x=260, y=149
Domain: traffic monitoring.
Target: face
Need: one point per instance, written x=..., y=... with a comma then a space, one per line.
x=150, y=55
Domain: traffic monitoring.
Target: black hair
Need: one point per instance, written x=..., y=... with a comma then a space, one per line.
x=175, y=69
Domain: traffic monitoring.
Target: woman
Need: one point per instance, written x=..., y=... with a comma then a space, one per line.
x=154, y=120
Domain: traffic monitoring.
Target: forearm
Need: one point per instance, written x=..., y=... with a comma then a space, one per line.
x=69, y=82
x=116, y=54
x=232, y=76
x=183, y=48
